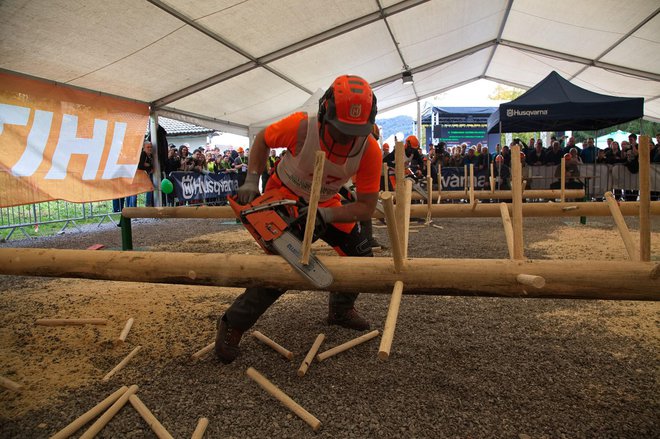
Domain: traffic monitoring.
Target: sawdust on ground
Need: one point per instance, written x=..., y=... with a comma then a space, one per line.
x=49, y=361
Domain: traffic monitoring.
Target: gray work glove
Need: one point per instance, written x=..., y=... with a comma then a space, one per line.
x=249, y=190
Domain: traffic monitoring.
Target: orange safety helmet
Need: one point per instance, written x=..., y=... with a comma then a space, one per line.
x=412, y=142
x=349, y=105
x=386, y=146
x=240, y=149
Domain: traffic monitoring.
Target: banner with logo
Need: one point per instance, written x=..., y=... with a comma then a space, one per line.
x=190, y=186
x=57, y=142
x=453, y=179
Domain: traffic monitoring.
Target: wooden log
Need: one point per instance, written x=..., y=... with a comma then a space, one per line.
x=203, y=351
x=565, y=278
x=346, y=346
x=271, y=344
x=282, y=397
x=122, y=364
x=644, y=199
x=530, y=210
x=631, y=247
x=302, y=370
x=89, y=415
x=10, y=385
x=516, y=188
x=125, y=331
x=491, y=179
x=429, y=199
x=390, y=322
x=315, y=195
x=393, y=232
x=103, y=420
x=530, y=280
x=149, y=418
x=508, y=228
x=70, y=322
x=200, y=429
x=551, y=194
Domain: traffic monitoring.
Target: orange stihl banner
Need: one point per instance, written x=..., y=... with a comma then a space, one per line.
x=58, y=142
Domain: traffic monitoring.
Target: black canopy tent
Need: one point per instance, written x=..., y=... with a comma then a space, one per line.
x=554, y=104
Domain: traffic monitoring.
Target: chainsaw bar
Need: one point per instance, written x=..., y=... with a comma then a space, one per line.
x=290, y=248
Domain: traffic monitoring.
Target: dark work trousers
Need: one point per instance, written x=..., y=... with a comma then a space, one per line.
x=249, y=306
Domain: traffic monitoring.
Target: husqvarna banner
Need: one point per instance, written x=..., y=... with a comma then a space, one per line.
x=58, y=142
x=190, y=186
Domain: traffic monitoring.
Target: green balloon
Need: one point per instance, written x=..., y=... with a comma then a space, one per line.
x=166, y=186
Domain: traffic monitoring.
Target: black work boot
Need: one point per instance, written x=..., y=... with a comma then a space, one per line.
x=348, y=318
x=226, y=342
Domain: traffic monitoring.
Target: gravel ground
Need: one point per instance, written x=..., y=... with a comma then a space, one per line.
x=461, y=367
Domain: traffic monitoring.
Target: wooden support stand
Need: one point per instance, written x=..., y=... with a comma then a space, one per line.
x=393, y=231
x=346, y=346
x=310, y=355
x=270, y=343
x=516, y=187
x=631, y=247
x=508, y=228
x=390, y=322
x=289, y=403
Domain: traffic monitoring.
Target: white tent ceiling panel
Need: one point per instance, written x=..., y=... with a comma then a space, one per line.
x=526, y=68
x=364, y=52
x=435, y=30
x=582, y=28
x=641, y=50
x=263, y=26
x=393, y=94
x=65, y=39
x=170, y=64
x=448, y=75
x=249, y=98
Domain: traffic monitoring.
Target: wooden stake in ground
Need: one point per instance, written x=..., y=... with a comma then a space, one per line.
x=386, y=182
x=289, y=403
x=406, y=217
x=562, y=180
x=149, y=417
x=314, y=196
x=89, y=415
x=516, y=188
x=268, y=342
x=390, y=322
x=109, y=414
x=70, y=322
x=644, y=199
x=346, y=346
x=10, y=385
x=392, y=231
x=200, y=429
x=631, y=247
x=302, y=370
x=508, y=228
x=125, y=331
x=200, y=353
x=121, y=365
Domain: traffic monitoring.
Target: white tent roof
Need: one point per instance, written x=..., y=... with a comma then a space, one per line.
x=232, y=64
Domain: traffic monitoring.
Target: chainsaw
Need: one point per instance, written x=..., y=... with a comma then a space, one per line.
x=270, y=219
